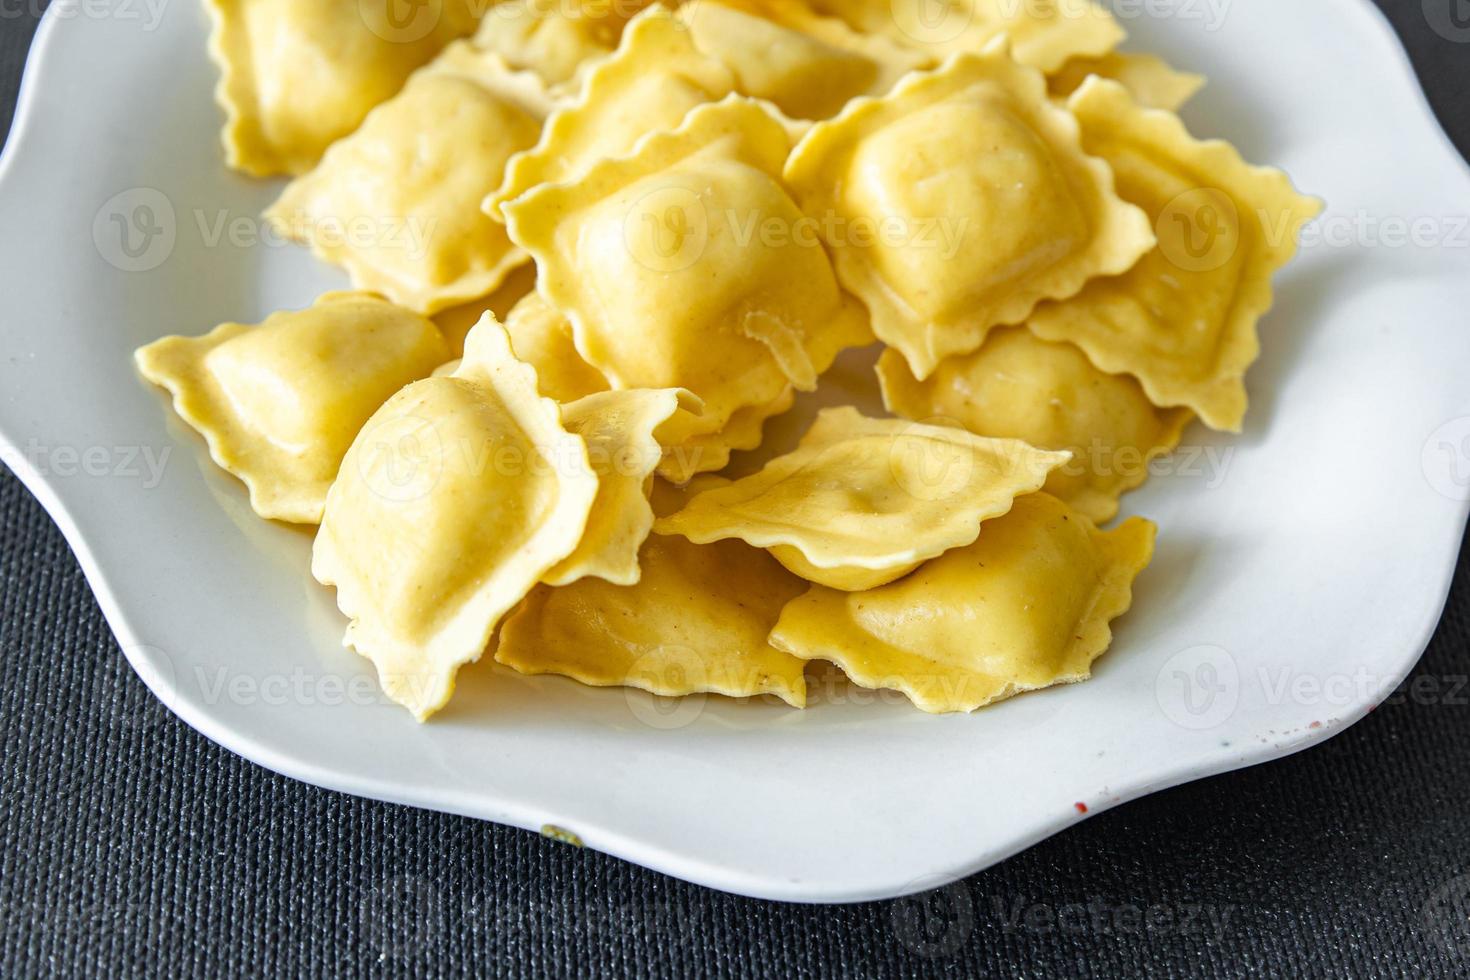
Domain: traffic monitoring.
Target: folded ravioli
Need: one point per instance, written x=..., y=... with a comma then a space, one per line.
x=280, y=402
x=862, y=502
x=542, y=337
x=659, y=262
x=554, y=38
x=807, y=65
x=297, y=75
x=703, y=452
x=1183, y=321
x=1149, y=78
x=456, y=322
x=456, y=498
x=397, y=202
x=1043, y=34
x=959, y=201
x=1018, y=386
x=696, y=622
x=1028, y=605
x=621, y=431
x=648, y=85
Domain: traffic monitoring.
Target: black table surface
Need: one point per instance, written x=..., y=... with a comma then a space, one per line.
x=130, y=845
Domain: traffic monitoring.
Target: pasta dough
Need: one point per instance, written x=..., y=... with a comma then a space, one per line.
x=279, y=403
x=648, y=85
x=1050, y=395
x=297, y=75
x=1183, y=321
x=397, y=202
x=455, y=499
x=806, y=65
x=862, y=501
x=958, y=202
x=1028, y=605
x=1147, y=77
x=554, y=38
x=646, y=257
x=621, y=431
x=542, y=337
x=695, y=623
x=1043, y=33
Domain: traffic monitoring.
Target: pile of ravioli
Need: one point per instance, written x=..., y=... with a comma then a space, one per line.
x=597, y=245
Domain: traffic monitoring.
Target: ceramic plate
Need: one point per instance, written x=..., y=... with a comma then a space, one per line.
x=1300, y=572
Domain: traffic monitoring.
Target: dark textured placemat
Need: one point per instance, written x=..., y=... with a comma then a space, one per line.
x=129, y=845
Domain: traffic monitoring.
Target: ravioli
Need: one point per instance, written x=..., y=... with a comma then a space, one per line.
x=862, y=502
x=621, y=430
x=554, y=38
x=1028, y=605
x=456, y=498
x=456, y=322
x=297, y=75
x=280, y=402
x=542, y=337
x=648, y=85
x=703, y=452
x=397, y=202
x=696, y=622
x=1148, y=78
x=806, y=65
x=661, y=265
x=1183, y=321
x=1050, y=395
x=1043, y=34
x=958, y=202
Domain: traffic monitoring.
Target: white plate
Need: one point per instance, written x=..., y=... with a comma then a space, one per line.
x=1288, y=596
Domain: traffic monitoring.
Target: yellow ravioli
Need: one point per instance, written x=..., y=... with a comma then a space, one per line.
x=1028, y=605
x=1018, y=386
x=695, y=623
x=397, y=202
x=807, y=65
x=648, y=85
x=620, y=429
x=1043, y=34
x=959, y=201
x=1183, y=321
x=704, y=452
x=297, y=75
x=1149, y=78
x=862, y=502
x=542, y=337
x=456, y=322
x=456, y=498
x=554, y=38
x=279, y=403
x=683, y=265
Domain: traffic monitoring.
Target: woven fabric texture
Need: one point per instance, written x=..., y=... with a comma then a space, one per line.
x=132, y=846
